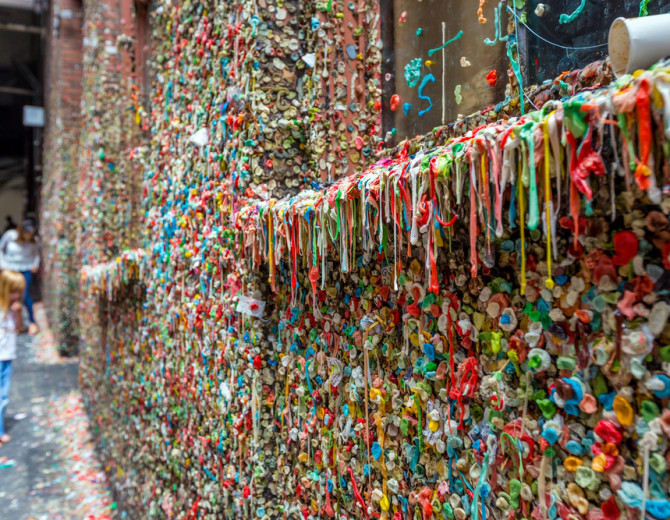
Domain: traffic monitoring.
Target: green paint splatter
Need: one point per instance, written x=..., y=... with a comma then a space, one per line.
x=517, y=72
x=457, y=94
x=643, y=8
x=433, y=51
x=565, y=18
x=413, y=72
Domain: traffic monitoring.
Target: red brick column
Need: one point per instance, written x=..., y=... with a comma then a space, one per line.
x=63, y=64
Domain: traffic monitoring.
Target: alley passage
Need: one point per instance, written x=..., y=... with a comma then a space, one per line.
x=48, y=470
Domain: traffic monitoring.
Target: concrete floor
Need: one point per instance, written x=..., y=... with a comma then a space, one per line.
x=32, y=486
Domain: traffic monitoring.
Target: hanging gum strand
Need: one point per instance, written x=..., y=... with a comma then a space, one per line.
x=549, y=283
x=367, y=413
x=271, y=248
x=487, y=199
x=645, y=135
x=473, y=232
x=522, y=225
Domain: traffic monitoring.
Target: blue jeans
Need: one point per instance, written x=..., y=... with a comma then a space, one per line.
x=27, y=299
x=5, y=380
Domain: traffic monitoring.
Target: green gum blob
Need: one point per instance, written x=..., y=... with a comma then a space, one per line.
x=514, y=493
x=566, y=363
x=477, y=412
x=599, y=385
x=657, y=463
x=548, y=408
x=586, y=478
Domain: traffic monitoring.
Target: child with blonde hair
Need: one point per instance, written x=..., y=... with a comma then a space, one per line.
x=12, y=285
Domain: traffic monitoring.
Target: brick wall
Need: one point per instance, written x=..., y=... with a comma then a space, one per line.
x=63, y=101
x=64, y=58
x=92, y=72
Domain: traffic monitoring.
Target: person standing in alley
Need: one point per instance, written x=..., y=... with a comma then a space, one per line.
x=12, y=286
x=19, y=251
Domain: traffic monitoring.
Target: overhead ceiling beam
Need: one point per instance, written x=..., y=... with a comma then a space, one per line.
x=19, y=27
x=28, y=75
x=16, y=90
x=20, y=4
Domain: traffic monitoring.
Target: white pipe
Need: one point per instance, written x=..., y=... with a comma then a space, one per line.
x=638, y=43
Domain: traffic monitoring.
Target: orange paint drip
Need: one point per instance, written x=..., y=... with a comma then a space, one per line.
x=480, y=12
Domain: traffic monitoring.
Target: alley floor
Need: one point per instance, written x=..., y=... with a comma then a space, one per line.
x=49, y=470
